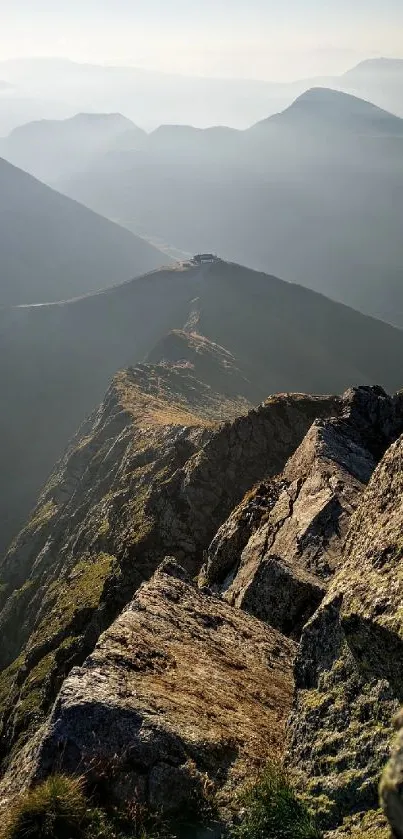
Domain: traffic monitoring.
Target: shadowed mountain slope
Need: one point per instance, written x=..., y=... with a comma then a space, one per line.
x=52, y=248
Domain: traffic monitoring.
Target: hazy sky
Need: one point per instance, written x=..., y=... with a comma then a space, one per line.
x=272, y=39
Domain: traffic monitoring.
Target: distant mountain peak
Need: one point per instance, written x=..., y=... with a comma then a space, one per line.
x=326, y=105
x=377, y=65
x=85, y=116
x=336, y=100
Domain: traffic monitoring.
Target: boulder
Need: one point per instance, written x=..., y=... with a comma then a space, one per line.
x=183, y=700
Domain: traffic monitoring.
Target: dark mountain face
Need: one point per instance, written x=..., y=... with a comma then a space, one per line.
x=313, y=195
x=54, y=249
x=56, y=360
x=49, y=149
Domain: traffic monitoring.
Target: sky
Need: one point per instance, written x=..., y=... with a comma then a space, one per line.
x=278, y=40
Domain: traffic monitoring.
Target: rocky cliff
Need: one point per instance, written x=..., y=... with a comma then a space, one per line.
x=174, y=682
x=348, y=669
x=150, y=473
x=277, y=552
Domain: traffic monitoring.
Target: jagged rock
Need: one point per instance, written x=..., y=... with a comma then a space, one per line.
x=348, y=670
x=277, y=551
x=182, y=695
x=150, y=473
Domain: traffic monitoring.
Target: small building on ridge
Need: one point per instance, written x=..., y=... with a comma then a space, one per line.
x=203, y=258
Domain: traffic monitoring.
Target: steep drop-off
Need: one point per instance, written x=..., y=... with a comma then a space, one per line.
x=348, y=670
x=150, y=473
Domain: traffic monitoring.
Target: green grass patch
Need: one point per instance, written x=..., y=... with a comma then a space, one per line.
x=271, y=810
x=42, y=516
x=66, y=598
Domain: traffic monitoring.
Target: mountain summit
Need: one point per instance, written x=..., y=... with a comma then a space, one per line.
x=342, y=111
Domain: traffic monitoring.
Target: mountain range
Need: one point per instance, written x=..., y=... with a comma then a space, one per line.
x=56, y=88
x=313, y=195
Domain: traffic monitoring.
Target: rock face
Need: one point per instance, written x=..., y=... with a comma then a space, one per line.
x=348, y=670
x=278, y=550
x=391, y=788
x=150, y=473
x=183, y=699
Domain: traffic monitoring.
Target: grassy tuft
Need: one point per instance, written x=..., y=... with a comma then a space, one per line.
x=55, y=809
x=58, y=808
x=271, y=810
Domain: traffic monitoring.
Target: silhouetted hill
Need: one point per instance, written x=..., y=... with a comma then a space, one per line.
x=52, y=248
x=56, y=360
x=338, y=110
x=48, y=149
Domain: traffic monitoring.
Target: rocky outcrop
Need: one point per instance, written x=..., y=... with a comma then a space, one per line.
x=277, y=552
x=348, y=670
x=181, y=702
x=391, y=788
x=208, y=361
x=150, y=473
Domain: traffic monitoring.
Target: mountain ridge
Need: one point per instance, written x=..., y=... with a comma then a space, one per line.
x=270, y=319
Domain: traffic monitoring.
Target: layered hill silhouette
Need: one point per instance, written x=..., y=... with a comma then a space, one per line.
x=313, y=195
x=52, y=248
x=49, y=148
x=243, y=334
x=56, y=88
x=340, y=111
